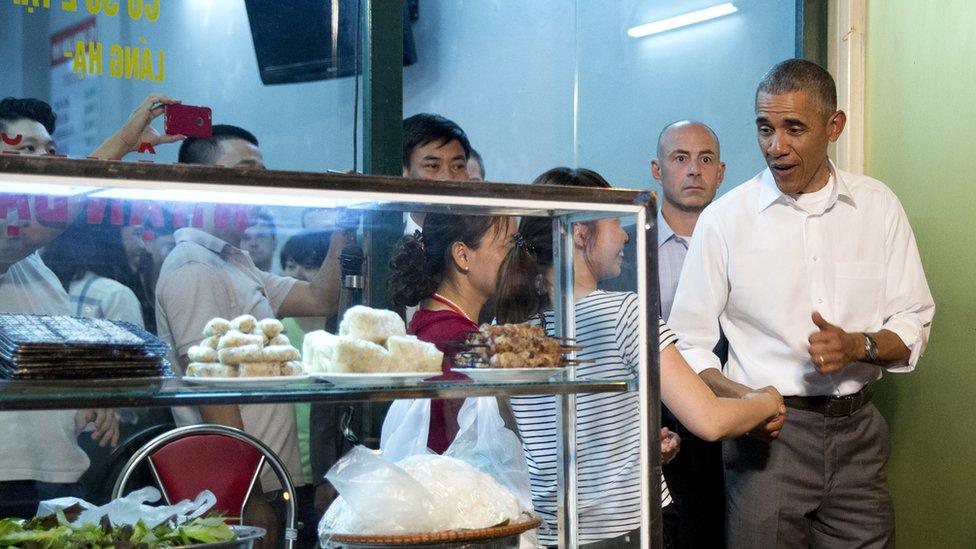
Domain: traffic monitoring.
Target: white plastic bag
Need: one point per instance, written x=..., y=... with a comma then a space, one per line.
x=481, y=480
x=405, y=429
x=378, y=496
x=421, y=493
x=132, y=508
x=485, y=442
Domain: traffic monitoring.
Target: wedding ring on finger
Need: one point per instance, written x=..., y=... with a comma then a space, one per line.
x=821, y=360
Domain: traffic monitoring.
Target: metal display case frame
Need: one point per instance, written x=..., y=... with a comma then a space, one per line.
x=564, y=205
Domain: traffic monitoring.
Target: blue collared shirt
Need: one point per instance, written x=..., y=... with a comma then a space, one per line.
x=671, y=251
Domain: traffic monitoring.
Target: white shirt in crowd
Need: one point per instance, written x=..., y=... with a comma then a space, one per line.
x=95, y=296
x=39, y=444
x=760, y=264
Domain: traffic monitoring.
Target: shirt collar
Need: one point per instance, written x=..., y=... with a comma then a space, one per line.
x=664, y=232
x=201, y=238
x=769, y=193
x=841, y=189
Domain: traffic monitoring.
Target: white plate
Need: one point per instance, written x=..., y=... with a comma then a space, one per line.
x=257, y=382
x=374, y=380
x=510, y=375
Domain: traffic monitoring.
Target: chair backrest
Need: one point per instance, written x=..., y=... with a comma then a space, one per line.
x=226, y=466
x=213, y=456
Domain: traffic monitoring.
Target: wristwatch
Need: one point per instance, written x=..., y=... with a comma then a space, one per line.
x=870, y=349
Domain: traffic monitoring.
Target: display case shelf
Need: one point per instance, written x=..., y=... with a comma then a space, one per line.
x=38, y=395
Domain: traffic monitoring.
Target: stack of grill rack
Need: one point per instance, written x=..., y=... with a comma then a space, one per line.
x=49, y=348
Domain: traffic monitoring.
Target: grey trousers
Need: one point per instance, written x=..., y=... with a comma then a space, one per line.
x=820, y=484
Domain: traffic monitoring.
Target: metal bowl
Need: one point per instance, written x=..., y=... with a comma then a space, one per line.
x=246, y=536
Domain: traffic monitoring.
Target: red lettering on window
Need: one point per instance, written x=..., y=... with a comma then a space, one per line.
x=52, y=209
x=142, y=210
x=17, y=202
x=96, y=211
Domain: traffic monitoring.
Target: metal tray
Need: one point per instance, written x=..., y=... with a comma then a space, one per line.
x=246, y=536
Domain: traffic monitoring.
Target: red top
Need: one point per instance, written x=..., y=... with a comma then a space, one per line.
x=445, y=329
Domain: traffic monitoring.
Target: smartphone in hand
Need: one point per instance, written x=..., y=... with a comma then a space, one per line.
x=188, y=120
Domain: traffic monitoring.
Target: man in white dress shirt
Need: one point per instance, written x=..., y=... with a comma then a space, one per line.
x=814, y=277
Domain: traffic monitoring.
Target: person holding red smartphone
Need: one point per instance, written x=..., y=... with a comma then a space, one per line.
x=137, y=132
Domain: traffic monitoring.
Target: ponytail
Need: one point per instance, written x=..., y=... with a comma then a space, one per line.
x=409, y=282
x=523, y=290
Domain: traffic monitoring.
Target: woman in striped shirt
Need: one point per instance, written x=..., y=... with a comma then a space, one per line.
x=607, y=424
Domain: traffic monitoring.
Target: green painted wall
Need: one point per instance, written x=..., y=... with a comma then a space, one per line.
x=921, y=141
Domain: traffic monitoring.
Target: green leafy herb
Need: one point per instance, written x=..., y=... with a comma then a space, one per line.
x=55, y=532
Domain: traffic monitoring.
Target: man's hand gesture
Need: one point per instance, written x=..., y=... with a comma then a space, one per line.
x=831, y=348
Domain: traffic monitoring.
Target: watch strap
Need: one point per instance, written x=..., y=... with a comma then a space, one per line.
x=870, y=348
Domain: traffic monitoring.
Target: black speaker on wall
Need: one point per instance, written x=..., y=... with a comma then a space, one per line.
x=308, y=40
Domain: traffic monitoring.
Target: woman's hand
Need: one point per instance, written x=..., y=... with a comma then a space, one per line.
x=670, y=445
x=769, y=429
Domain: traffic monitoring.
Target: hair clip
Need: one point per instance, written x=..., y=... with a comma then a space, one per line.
x=520, y=242
x=419, y=238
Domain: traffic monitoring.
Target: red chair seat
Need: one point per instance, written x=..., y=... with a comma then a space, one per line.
x=226, y=466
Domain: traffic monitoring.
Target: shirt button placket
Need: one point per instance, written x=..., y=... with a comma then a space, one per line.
x=815, y=265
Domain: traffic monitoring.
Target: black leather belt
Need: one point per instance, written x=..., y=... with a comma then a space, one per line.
x=831, y=406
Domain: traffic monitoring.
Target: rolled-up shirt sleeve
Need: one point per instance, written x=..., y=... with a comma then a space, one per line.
x=702, y=294
x=908, y=307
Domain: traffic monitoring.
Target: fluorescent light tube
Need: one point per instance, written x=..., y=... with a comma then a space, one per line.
x=260, y=197
x=17, y=187
x=682, y=20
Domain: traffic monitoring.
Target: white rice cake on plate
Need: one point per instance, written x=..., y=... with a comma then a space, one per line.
x=355, y=356
x=211, y=369
x=373, y=325
x=409, y=354
x=318, y=349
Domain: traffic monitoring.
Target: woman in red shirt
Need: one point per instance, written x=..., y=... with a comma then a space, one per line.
x=450, y=269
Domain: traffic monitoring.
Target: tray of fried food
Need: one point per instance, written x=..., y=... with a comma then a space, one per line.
x=514, y=346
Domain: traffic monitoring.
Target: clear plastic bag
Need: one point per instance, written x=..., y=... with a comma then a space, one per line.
x=482, y=480
x=485, y=442
x=132, y=508
x=377, y=496
x=405, y=429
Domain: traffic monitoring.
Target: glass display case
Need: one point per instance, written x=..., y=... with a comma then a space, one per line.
x=142, y=205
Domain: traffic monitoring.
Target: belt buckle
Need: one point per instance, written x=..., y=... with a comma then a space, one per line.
x=846, y=405
x=837, y=407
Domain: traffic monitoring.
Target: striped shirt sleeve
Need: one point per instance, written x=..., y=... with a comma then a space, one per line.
x=666, y=336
